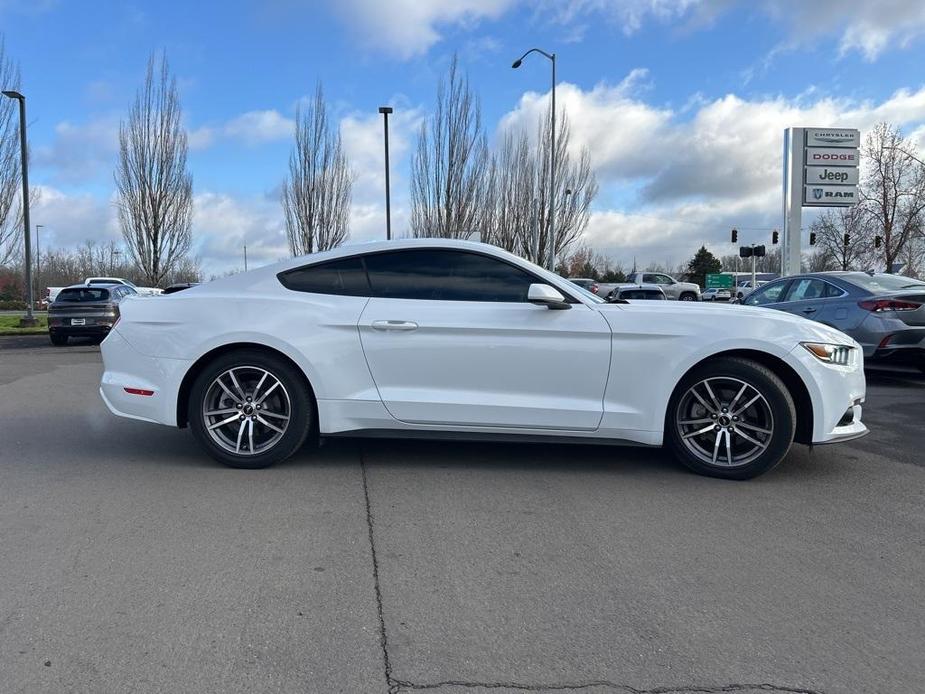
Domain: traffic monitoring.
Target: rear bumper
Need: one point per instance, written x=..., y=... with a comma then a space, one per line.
x=81, y=330
x=125, y=367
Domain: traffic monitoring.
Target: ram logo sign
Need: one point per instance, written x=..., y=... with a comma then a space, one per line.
x=830, y=196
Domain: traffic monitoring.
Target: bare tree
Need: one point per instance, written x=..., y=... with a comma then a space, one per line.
x=831, y=227
x=893, y=190
x=316, y=195
x=10, y=181
x=510, y=205
x=450, y=164
x=516, y=201
x=154, y=186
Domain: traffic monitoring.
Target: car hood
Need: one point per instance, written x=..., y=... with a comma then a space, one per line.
x=730, y=320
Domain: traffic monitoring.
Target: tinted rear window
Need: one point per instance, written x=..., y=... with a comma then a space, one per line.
x=83, y=294
x=345, y=277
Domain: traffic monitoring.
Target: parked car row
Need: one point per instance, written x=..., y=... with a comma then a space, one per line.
x=643, y=285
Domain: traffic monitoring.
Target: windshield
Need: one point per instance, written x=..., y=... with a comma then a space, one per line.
x=884, y=282
x=87, y=294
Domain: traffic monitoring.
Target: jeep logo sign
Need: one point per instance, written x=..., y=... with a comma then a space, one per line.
x=836, y=175
x=830, y=196
x=831, y=156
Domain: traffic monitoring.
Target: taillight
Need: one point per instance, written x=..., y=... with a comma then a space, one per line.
x=880, y=305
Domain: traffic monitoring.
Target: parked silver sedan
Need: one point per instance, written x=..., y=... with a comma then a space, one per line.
x=885, y=313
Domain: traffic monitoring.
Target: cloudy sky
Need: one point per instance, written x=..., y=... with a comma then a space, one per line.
x=682, y=102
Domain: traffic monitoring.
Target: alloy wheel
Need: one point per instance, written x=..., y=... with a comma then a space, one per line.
x=724, y=421
x=246, y=410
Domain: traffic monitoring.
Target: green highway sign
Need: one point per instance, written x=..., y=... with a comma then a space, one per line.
x=720, y=281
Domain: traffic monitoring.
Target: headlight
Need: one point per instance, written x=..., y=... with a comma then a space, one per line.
x=830, y=354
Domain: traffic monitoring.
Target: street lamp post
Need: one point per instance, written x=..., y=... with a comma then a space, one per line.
x=385, y=111
x=29, y=321
x=551, y=256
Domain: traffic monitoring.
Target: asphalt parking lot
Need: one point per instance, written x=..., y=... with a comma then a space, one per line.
x=132, y=563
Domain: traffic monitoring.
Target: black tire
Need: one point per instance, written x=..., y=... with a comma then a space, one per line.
x=57, y=340
x=300, y=401
x=776, y=403
x=688, y=296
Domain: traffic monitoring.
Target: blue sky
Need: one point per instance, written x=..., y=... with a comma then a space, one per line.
x=681, y=102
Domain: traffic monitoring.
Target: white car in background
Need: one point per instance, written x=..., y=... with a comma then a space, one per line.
x=144, y=291
x=453, y=339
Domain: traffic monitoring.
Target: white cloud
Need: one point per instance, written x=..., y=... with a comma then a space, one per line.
x=223, y=224
x=251, y=128
x=81, y=151
x=687, y=176
x=409, y=27
x=69, y=220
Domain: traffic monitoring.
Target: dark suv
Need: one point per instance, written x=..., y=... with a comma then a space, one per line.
x=85, y=311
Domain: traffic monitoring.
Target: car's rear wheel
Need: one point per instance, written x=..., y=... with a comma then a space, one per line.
x=250, y=409
x=730, y=418
x=57, y=340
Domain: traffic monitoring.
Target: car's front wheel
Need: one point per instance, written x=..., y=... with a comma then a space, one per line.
x=688, y=297
x=730, y=418
x=250, y=409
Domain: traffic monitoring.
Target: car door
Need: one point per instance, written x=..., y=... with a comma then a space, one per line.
x=805, y=297
x=451, y=339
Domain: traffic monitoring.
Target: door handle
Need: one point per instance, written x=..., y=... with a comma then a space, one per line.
x=394, y=325
x=809, y=310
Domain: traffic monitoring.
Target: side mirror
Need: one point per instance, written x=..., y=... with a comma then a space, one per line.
x=545, y=295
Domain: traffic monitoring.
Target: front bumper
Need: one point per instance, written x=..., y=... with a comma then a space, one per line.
x=837, y=394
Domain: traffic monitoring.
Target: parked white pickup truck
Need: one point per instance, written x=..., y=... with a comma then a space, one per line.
x=682, y=291
x=145, y=291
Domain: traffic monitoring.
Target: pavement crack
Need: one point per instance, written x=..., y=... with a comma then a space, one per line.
x=390, y=682
x=601, y=684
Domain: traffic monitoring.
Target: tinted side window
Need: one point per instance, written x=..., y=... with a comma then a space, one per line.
x=765, y=295
x=805, y=289
x=344, y=277
x=831, y=291
x=441, y=275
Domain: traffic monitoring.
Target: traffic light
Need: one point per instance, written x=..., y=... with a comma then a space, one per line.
x=877, y=241
x=735, y=235
x=847, y=240
x=745, y=251
x=812, y=238
x=775, y=236
x=758, y=251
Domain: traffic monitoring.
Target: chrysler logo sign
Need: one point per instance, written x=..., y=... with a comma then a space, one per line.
x=832, y=137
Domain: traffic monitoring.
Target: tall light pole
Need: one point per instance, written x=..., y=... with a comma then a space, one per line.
x=551, y=259
x=29, y=321
x=385, y=111
x=38, y=257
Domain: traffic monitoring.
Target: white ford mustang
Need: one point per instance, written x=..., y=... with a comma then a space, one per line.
x=436, y=338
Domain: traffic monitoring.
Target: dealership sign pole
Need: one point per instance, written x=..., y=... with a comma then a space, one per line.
x=820, y=170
